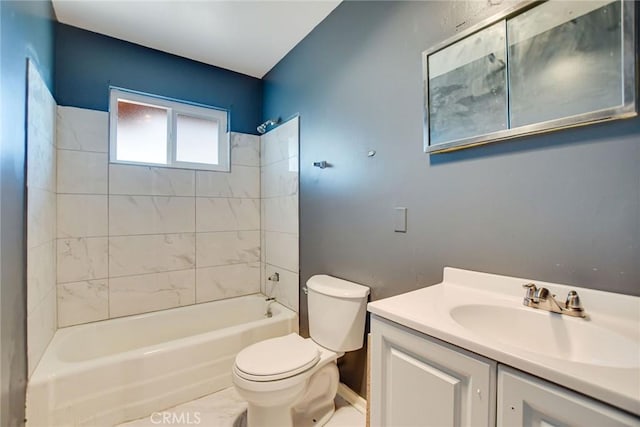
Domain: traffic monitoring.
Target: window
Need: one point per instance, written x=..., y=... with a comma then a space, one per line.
x=148, y=130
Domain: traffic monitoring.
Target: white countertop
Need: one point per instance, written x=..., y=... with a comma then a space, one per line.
x=428, y=310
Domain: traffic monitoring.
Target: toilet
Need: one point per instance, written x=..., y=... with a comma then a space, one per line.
x=292, y=381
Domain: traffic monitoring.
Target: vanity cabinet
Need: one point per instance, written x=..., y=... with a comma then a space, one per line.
x=527, y=401
x=417, y=380
x=420, y=381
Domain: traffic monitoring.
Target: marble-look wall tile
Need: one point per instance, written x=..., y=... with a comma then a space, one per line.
x=215, y=283
x=220, y=214
x=245, y=149
x=282, y=250
x=41, y=156
x=41, y=273
x=82, y=215
x=82, y=129
x=130, y=215
x=227, y=247
x=41, y=325
x=82, y=259
x=83, y=302
x=41, y=180
x=263, y=277
x=41, y=108
x=41, y=217
x=130, y=255
x=280, y=178
x=82, y=172
x=242, y=181
x=279, y=144
x=150, y=292
x=41, y=163
x=150, y=181
x=281, y=214
x=286, y=289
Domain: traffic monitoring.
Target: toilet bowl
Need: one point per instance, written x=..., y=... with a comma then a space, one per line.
x=292, y=381
x=296, y=387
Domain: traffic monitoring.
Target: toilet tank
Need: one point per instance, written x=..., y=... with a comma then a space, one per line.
x=337, y=311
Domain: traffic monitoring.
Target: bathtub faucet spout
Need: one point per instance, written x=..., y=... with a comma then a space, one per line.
x=269, y=301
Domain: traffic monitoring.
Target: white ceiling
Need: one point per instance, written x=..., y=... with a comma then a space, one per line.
x=249, y=37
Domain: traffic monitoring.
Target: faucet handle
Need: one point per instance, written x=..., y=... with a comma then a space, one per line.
x=573, y=304
x=530, y=293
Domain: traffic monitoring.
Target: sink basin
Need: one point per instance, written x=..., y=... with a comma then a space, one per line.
x=549, y=334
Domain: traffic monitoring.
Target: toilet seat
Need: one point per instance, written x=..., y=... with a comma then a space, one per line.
x=277, y=358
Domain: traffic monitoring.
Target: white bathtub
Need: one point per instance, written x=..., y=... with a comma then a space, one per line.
x=108, y=372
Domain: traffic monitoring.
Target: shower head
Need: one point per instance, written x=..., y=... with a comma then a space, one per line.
x=263, y=127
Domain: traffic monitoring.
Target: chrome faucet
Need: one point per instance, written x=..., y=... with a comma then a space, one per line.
x=542, y=299
x=269, y=301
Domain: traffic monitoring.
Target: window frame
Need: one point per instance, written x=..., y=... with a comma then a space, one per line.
x=174, y=108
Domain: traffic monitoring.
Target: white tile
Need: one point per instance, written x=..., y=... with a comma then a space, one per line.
x=280, y=178
x=214, y=283
x=41, y=161
x=227, y=247
x=263, y=277
x=82, y=215
x=280, y=143
x=150, y=181
x=286, y=289
x=41, y=124
x=129, y=255
x=346, y=415
x=245, y=149
x=281, y=214
x=81, y=172
x=220, y=214
x=41, y=217
x=82, y=129
x=82, y=259
x=150, y=215
x=220, y=409
x=226, y=408
x=242, y=181
x=41, y=273
x=41, y=325
x=41, y=151
x=281, y=249
x=83, y=302
x=150, y=292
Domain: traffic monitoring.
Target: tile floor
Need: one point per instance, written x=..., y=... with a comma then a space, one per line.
x=226, y=409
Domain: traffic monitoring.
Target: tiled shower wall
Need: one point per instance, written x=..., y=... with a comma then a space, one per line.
x=41, y=217
x=133, y=239
x=279, y=190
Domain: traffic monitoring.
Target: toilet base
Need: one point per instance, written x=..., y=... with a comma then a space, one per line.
x=313, y=408
x=317, y=405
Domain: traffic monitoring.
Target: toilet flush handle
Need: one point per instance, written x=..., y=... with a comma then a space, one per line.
x=305, y=290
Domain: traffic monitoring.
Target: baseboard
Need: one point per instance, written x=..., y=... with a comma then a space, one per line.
x=353, y=398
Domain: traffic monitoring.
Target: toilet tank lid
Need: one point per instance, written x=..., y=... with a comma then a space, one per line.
x=332, y=286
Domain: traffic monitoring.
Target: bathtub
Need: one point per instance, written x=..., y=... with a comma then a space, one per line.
x=108, y=372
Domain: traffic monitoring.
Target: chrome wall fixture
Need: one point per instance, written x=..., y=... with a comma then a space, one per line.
x=262, y=128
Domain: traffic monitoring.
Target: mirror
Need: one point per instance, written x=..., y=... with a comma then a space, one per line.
x=535, y=68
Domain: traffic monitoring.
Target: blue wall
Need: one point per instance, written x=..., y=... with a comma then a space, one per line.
x=561, y=207
x=27, y=31
x=88, y=63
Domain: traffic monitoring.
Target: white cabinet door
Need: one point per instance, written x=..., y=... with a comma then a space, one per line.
x=417, y=380
x=527, y=401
